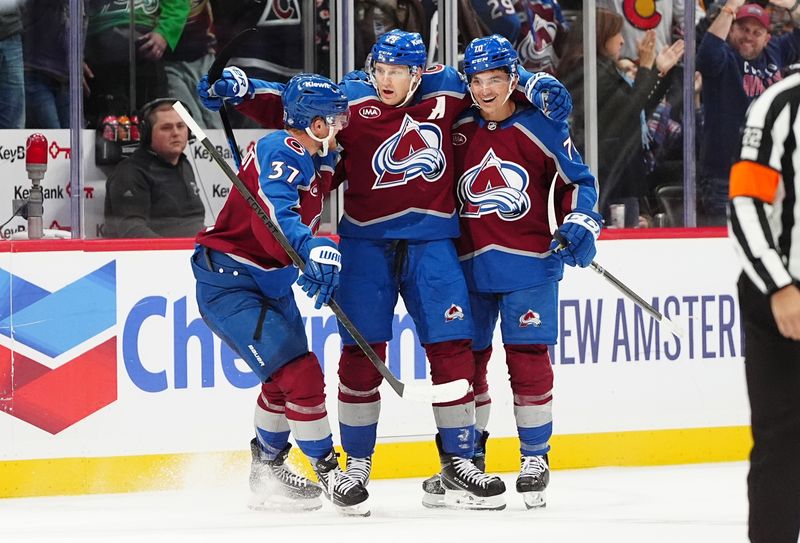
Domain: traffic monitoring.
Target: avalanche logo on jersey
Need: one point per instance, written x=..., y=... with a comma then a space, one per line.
x=530, y=317
x=494, y=186
x=536, y=50
x=280, y=12
x=414, y=151
x=454, y=312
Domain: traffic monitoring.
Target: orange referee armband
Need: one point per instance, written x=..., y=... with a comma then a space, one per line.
x=754, y=180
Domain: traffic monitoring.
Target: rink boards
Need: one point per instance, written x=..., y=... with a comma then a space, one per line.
x=58, y=192
x=112, y=382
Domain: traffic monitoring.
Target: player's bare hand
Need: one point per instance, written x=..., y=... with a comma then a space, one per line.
x=786, y=310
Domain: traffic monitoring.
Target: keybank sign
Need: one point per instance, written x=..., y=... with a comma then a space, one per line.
x=59, y=349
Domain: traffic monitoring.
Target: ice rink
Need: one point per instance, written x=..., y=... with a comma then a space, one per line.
x=693, y=503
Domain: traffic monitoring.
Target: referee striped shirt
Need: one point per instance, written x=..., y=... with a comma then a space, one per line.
x=764, y=218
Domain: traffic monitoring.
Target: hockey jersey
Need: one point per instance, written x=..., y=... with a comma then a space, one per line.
x=290, y=184
x=505, y=171
x=397, y=162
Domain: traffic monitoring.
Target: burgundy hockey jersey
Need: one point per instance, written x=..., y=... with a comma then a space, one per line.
x=290, y=184
x=397, y=164
x=505, y=171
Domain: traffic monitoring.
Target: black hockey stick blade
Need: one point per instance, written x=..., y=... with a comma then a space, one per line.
x=214, y=73
x=441, y=393
x=623, y=288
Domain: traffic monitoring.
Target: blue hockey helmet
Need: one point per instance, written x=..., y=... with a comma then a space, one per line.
x=490, y=53
x=399, y=47
x=308, y=96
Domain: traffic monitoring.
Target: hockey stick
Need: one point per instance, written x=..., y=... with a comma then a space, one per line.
x=214, y=73
x=619, y=285
x=445, y=392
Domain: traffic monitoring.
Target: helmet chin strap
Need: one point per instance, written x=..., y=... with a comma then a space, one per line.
x=512, y=83
x=417, y=79
x=324, y=141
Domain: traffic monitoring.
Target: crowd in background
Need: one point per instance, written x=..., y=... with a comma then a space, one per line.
x=640, y=77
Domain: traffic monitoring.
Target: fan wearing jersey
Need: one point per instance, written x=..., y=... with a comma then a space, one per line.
x=397, y=240
x=244, y=292
x=507, y=155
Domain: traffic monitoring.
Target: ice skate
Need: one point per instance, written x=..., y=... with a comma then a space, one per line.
x=467, y=487
x=359, y=469
x=348, y=496
x=432, y=487
x=433, y=492
x=534, y=475
x=275, y=486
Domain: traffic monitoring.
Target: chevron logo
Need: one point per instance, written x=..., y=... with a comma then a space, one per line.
x=58, y=350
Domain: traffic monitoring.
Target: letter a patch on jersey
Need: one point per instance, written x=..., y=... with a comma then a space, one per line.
x=494, y=186
x=413, y=151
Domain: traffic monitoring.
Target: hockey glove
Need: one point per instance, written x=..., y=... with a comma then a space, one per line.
x=578, y=235
x=321, y=274
x=212, y=103
x=549, y=95
x=233, y=86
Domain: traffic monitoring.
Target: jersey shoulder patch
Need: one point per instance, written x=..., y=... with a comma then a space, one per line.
x=358, y=90
x=445, y=79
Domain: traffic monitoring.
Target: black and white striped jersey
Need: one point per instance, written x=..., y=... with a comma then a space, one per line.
x=764, y=218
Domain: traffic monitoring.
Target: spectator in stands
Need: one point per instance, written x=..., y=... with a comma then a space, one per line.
x=45, y=39
x=153, y=193
x=543, y=34
x=738, y=59
x=664, y=18
x=191, y=60
x=12, y=85
x=622, y=109
x=158, y=26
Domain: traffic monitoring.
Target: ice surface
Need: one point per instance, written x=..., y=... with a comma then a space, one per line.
x=697, y=503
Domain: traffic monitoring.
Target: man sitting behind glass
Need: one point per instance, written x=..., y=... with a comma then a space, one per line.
x=153, y=193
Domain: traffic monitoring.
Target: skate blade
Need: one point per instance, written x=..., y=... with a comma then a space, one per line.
x=283, y=504
x=459, y=499
x=433, y=501
x=357, y=510
x=534, y=500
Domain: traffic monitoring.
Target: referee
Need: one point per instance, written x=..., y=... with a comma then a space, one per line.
x=765, y=227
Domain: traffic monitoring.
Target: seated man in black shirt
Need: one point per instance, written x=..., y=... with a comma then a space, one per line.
x=153, y=193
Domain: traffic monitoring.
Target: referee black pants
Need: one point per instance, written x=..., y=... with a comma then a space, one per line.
x=772, y=366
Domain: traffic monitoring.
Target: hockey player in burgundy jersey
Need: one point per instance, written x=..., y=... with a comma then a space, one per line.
x=507, y=155
x=244, y=292
x=396, y=238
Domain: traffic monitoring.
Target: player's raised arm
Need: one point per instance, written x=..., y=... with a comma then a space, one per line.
x=260, y=100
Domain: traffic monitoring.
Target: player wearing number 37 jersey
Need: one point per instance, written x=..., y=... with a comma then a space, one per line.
x=244, y=292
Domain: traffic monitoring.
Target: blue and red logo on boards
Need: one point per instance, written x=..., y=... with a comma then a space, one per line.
x=59, y=357
x=40, y=329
